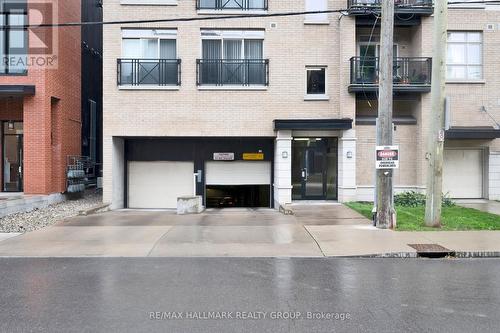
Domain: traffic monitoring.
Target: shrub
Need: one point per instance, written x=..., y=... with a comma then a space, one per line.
x=409, y=199
x=415, y=199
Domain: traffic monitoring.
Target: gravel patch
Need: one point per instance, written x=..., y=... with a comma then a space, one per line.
x=42, y=217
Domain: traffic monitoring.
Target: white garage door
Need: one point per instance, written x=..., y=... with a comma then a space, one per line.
x=238, y=173
x=158, y=184
x=463, y=173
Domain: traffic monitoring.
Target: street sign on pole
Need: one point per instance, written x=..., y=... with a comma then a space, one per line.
x=387, y=157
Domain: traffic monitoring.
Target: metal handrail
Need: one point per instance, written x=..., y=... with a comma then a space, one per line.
x=230, y=5
x=160, y=72
x=221, y=72
x=407, y=70
x=398, y=3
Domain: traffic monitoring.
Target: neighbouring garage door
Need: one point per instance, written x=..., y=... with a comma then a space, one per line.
x=158, y=184
x=238, y=184
x=238, y=173
x=463, y=173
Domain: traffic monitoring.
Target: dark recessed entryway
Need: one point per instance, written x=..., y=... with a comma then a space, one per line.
x=252, y=196
x=314, y=168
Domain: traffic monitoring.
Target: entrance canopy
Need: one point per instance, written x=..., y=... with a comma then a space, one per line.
x=313, y=124
x=477, y=133
x=16, y=90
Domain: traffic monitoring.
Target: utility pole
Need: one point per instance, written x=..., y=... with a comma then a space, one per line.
x=385, y=201
x=435, y=144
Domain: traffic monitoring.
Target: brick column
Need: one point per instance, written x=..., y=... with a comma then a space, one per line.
x=37, y=148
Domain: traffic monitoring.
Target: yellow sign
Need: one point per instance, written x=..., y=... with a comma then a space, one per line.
x=253, y=156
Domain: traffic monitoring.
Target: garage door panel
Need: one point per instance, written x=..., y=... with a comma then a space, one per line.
x=158, y=184
x=238, y=173
x=463, y=173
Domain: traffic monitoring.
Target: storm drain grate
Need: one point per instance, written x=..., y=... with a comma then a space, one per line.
x=432, y=250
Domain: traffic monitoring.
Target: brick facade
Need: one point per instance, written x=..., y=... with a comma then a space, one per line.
x=51, y=117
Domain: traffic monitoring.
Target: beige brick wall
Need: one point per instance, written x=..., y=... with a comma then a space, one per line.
x=290, y=46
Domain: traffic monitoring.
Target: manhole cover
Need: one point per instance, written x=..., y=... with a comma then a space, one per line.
x=431, y=250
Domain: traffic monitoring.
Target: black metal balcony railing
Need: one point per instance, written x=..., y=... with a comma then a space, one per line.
x=400, y=5
x=406, y=71
x=222, y=72
x=232, y=4
x=150, y=72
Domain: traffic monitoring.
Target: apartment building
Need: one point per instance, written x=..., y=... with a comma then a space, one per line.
x=263, y=111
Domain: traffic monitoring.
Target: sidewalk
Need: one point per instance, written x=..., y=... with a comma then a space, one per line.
x=331, y=230
x=346, y=241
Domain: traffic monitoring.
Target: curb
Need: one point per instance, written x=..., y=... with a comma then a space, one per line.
x=453, y=254
x=93, y=210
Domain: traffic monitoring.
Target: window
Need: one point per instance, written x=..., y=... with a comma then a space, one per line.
x=316, y=5
x=465, y=56
x=13, y=42
x=232, y=45
x=149, y=57
x=232, y=4
x=232, y=57
x=316, y=81
x=149, y=44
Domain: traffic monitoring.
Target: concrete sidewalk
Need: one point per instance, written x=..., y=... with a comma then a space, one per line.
x=314, y=231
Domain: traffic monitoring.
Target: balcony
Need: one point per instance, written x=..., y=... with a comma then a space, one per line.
x=367, y=7
x=224, y=72
x=410, y=74
x=149, y=73
x=232, y=5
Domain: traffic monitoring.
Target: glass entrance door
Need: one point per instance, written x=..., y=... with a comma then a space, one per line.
x=314, y=169
x=12, y=156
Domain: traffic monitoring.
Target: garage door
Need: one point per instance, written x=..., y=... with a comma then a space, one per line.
x=238, y=173
x=158, y=184
x=463, y=173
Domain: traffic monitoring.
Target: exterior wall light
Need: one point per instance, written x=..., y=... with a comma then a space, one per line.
x=349, y=154
x=284, y=154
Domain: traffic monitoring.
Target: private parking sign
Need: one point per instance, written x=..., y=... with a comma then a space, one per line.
x=387, y=157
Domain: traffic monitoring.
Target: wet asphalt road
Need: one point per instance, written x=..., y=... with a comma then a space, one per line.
x=372, y=295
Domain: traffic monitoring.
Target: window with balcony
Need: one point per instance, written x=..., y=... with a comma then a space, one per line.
x=233, y=58
x=149, y=58
x=13, y=40
x=465, y=56
x=232, y=5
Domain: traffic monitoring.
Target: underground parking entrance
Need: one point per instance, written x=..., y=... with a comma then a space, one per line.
x=237, y=196
x=225, y=172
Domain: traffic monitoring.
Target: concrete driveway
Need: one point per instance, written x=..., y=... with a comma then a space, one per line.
x=227, y=232
x=314, y=231
x=132, y=233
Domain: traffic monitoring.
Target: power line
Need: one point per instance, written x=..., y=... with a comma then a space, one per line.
x=182, y=19
x=368, y=10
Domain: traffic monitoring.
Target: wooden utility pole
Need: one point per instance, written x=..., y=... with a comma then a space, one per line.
x=435, y=144
x=385, y=201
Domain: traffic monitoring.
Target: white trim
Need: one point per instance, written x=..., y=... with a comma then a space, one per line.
x=316, y=98
x=149, y=33
x=466, y=82
x=149, y=2
x=230, y=12
x=145, y=87
x=308, y=22
x=229, y=87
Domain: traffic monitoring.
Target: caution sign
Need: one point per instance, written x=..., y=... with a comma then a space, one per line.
x=253, y=156
x=387, y=157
